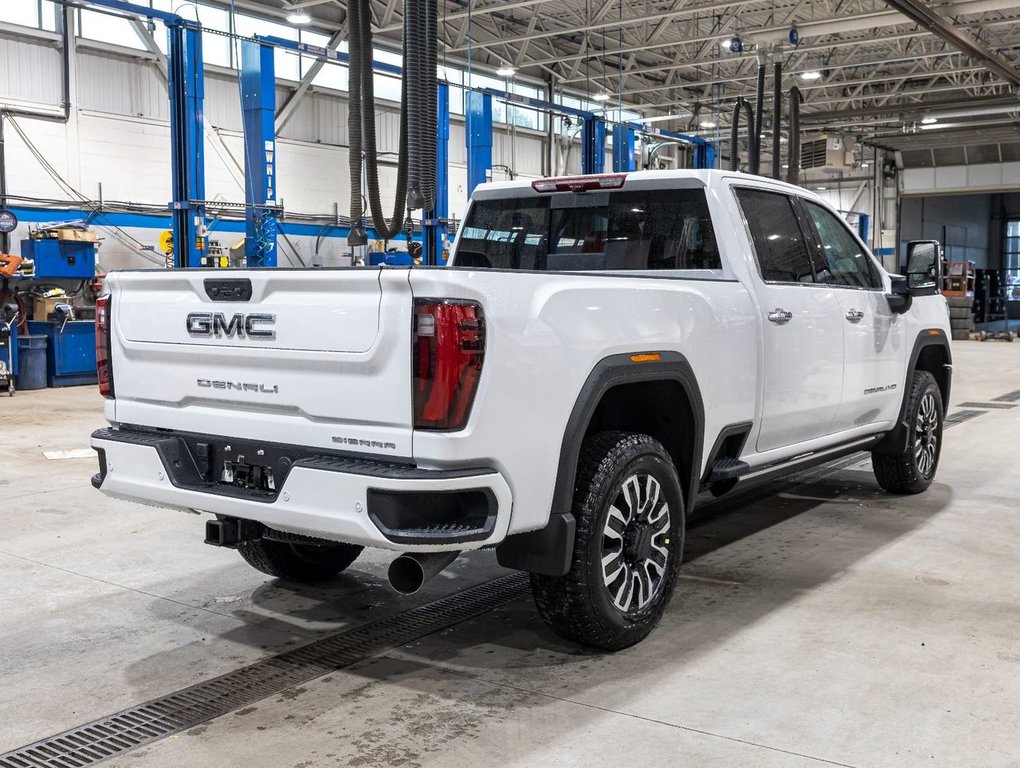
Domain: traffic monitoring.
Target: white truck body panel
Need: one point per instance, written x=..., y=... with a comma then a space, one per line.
x=337, y=377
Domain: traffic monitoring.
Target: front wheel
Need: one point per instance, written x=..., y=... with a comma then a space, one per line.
x=913, y=469
x=307, y=563
x=630, y=535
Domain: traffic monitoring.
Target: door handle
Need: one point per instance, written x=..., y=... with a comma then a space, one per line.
x=780, y=316
x=855, y=316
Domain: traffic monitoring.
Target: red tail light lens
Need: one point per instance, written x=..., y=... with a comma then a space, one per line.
x=104, y=365
x=449, y=347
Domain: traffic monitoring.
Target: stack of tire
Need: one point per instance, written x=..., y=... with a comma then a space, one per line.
x=961, y=316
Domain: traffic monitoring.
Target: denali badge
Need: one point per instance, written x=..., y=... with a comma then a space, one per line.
x=240, y=386
x=240, y=325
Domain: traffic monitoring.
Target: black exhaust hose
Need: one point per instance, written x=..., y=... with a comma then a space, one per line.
x=354, y=110
x=752, y=148
x=759, y=105
x=429, y=118
x=735, y=136
x=384, y=229
x=793, y=172
x=414, y=45
x=777, y=115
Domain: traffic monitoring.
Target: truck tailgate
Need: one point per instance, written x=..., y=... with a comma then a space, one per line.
x=315, y=358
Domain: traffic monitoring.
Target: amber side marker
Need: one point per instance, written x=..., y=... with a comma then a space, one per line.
x=933, y=332
x=647, y=357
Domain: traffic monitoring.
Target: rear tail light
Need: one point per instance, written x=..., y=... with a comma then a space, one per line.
x=104, y=365
x=449, y=347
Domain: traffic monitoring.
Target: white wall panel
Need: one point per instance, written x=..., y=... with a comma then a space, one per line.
x=30, y=71
x=991, y=177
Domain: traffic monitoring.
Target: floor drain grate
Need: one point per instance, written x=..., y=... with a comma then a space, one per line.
x=997, y=405
x=958, y=417
x=1009, y=397
x=134, y=727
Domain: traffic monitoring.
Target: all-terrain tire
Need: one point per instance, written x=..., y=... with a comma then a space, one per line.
x=913, y=469
x=307, y=563
x=593, y=604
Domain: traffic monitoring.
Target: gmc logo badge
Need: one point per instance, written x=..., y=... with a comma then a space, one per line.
x=240, y=326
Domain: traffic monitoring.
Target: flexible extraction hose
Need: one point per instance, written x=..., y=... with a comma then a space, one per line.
x=362, y=133
x=744, y=104
x=735, y=136
x=429, y=118
x=759, y=108
x=777, y=113
x=793, y=159
x=414, y=51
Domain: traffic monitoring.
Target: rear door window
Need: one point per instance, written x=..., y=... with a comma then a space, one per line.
x=779, y=243
x=593, y=231
x=841, y=259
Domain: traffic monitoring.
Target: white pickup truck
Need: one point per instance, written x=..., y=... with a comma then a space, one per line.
x=601, y=350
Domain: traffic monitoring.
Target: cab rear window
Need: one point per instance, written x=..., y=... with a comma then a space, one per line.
x=592, y=231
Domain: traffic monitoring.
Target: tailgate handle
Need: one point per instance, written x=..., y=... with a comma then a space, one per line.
x=233, y=289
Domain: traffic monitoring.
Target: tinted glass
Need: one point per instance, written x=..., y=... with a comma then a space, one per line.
x=625, y=230
x=778, y=240
x=841, y=259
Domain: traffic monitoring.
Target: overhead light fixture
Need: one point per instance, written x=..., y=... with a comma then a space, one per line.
x=506, y=71
x=707, y=124
x=865, y=165
x=297, y=16
x=929, y=120
x=602, y=96
x=811, y=75
x=732, y=44
x=821, y=189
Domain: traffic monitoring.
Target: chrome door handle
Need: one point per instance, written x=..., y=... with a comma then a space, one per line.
x=855, y=316
x=780, y=316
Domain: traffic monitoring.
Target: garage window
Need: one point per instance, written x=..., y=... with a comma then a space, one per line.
x=1011, y=254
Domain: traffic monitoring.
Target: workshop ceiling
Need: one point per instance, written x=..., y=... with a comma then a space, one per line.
x=879, y=73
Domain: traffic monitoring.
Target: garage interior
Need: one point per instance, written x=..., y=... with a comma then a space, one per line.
x=818, y=620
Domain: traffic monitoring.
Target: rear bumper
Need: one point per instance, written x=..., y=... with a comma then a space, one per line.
x=373, y=503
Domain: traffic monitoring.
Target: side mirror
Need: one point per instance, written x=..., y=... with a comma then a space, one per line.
x=900, y=297
x=924, y=267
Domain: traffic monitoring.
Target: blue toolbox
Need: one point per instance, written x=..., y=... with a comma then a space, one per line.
x=70, y=351
x=57, y=259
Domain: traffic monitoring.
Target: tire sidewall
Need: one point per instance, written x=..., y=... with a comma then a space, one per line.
x=929, y=386
x=642, y=459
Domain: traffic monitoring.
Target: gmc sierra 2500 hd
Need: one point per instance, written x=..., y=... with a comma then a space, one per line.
x=601, y=350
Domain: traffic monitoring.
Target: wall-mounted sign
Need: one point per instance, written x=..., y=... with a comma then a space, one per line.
x=8, y=222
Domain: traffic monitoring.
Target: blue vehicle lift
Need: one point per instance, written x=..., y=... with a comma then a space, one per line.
x=258, y=106
x=187, y=142
x=478, y=108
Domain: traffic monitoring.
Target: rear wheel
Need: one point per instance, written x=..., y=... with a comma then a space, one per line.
x=913, y=469
x=299, y=561
x=630, y=534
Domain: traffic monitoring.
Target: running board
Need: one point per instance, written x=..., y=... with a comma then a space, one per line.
x=726, y=469
x=808, y=460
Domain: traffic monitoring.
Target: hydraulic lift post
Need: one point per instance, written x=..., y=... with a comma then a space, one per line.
x=258, y=101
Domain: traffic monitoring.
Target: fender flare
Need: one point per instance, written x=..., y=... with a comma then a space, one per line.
x=549, y=550
x=895, y=441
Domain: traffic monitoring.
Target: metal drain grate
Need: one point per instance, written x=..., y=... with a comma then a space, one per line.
x=997, y=405
x=958, y=417
x=134, y=727
x=1009, y=397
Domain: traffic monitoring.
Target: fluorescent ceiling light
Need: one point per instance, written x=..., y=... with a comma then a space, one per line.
x=929, y=120
x=602, y=96
x=821, y=189
x=506, y=71
x=706, y=124
x=298, y=17
x=814, y=74
x=865, y=165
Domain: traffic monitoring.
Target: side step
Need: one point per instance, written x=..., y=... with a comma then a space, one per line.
x=727, y=468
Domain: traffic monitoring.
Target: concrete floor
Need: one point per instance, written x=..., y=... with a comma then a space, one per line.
x=829, y=624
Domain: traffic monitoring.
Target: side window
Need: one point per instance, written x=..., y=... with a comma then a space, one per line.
x=778, y=241
x=841, y=259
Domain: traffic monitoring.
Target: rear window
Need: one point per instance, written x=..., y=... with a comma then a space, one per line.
x=592, y=231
